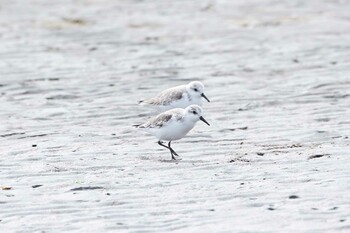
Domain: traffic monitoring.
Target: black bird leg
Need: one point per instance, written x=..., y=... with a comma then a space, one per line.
x=172, y=152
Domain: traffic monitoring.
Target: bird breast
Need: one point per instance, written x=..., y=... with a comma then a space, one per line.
x=176, y=130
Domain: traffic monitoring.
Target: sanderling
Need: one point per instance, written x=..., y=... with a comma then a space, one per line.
x=173, y=125
x=178, y=97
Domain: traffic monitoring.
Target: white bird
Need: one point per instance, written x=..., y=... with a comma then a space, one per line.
x=178, y=97
x=173, y=125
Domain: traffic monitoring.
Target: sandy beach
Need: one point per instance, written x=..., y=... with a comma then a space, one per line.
x=276, y=157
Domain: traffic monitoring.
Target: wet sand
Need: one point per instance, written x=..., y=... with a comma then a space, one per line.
x=275, y=158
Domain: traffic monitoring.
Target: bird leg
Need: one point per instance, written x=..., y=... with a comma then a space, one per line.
x=172, y=149
x=172, y=152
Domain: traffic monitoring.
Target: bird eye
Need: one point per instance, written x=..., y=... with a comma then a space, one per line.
x=194, y=112
x=195, y=89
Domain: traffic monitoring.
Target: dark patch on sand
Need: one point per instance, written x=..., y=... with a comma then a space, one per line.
x=86, y=188
x=317, y=156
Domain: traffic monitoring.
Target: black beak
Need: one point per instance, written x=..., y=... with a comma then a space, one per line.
x=202, y=119
x=205, y=97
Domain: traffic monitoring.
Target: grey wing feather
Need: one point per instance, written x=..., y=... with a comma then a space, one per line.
x=158, y=121
x=162, y=119
x=167, y=96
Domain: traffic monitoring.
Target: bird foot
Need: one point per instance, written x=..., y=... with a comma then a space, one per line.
x=174, y=159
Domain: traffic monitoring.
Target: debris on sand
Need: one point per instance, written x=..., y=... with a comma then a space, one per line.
x=293, y=197
x=317, y=156
x=86, y=188
x=240, y=159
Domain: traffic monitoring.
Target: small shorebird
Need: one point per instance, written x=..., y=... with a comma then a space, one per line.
x=178, y=97
x=173, y=125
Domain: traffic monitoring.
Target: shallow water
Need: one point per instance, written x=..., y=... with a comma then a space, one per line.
x=275, y=158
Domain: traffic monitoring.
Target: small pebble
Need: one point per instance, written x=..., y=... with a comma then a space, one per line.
x=317, y=156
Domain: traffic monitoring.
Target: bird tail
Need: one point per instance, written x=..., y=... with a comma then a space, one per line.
x=146, y=102
x=143, y=102
x=140, y=126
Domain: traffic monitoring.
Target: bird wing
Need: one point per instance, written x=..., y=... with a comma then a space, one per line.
x=162, y=119
x=167, y=96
